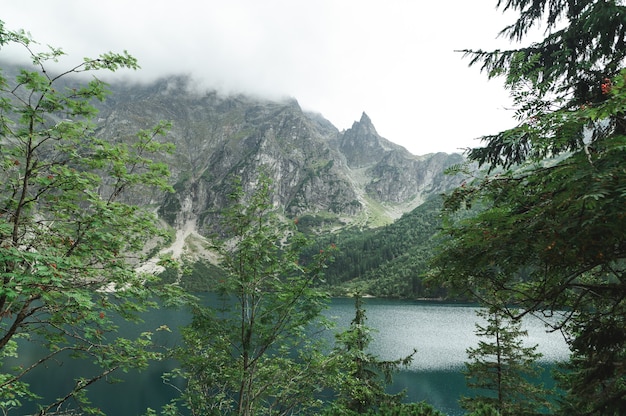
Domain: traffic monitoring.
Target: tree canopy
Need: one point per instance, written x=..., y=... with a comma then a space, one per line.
x=550, y=234
x=572, y=67
x=250, y=352
x=503, y=371
x=365, y=376
x=69, y=245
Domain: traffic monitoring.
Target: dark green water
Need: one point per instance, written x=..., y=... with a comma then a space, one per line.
x=440, y=332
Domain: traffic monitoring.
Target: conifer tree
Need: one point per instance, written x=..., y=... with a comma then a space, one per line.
x=593, y=379
x=550, y=235
x=502, y=370
x=365, y=376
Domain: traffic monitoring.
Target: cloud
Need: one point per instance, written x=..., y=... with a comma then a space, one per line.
x=394, y=60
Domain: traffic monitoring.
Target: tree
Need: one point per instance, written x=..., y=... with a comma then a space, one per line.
x=593, y=379
x=550, y=233
x=392, y=409
x=572, y=66
x=483, y=409
x=365, y=375
x=252, y=353
x=502, y=370
x=68, y=245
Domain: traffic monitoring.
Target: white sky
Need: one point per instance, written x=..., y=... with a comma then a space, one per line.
x=393, y=59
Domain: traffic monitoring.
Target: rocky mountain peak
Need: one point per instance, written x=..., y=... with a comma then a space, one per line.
x=365, y=120
x=363, y=146
x=325, y=177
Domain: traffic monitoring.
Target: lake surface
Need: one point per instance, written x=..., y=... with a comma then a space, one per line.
x=441, y=332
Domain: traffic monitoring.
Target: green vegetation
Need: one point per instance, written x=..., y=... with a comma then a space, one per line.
x=390, y=261
x=364, y=376
x=503, y=372
x=194, y=276
x=311, y=224
x=545, y=235
x=252, y=355
x=68, y=245
x=551, y=236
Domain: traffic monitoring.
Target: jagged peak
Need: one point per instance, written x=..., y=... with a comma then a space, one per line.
x=365, y=125
x=356, y=176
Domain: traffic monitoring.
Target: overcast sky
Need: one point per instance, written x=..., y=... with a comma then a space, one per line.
x=394, y=59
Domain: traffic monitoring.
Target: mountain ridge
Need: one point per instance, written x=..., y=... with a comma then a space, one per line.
x=334, y=179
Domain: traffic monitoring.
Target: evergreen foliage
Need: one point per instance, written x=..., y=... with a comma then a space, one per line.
x=68, y=244
x=365, y=377
x=503, y=371
x=552, y=235
x=390, y=261
x=594, y=379
x=395, y=409
x=583, y=50
x=482, y=409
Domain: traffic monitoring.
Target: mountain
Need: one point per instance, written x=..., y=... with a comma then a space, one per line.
x=349, y=177
x=328, y=179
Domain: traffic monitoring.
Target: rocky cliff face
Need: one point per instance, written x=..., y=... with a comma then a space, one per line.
x=344, y=178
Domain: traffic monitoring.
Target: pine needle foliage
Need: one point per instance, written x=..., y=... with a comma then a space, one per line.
x=502, y=370
x=551, y=236
x=365, y=376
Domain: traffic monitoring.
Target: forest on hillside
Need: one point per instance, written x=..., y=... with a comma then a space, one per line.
x=390, y=261
x=540, y=231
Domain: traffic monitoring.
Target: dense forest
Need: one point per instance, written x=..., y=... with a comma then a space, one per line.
x=390, y=261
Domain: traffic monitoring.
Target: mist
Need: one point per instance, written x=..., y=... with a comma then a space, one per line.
x=394, y=60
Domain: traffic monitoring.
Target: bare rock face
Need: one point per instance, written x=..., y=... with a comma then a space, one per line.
x=362, y=146
x=354, y=176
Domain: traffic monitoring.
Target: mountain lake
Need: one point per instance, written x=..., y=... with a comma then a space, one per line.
x=441, y=333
